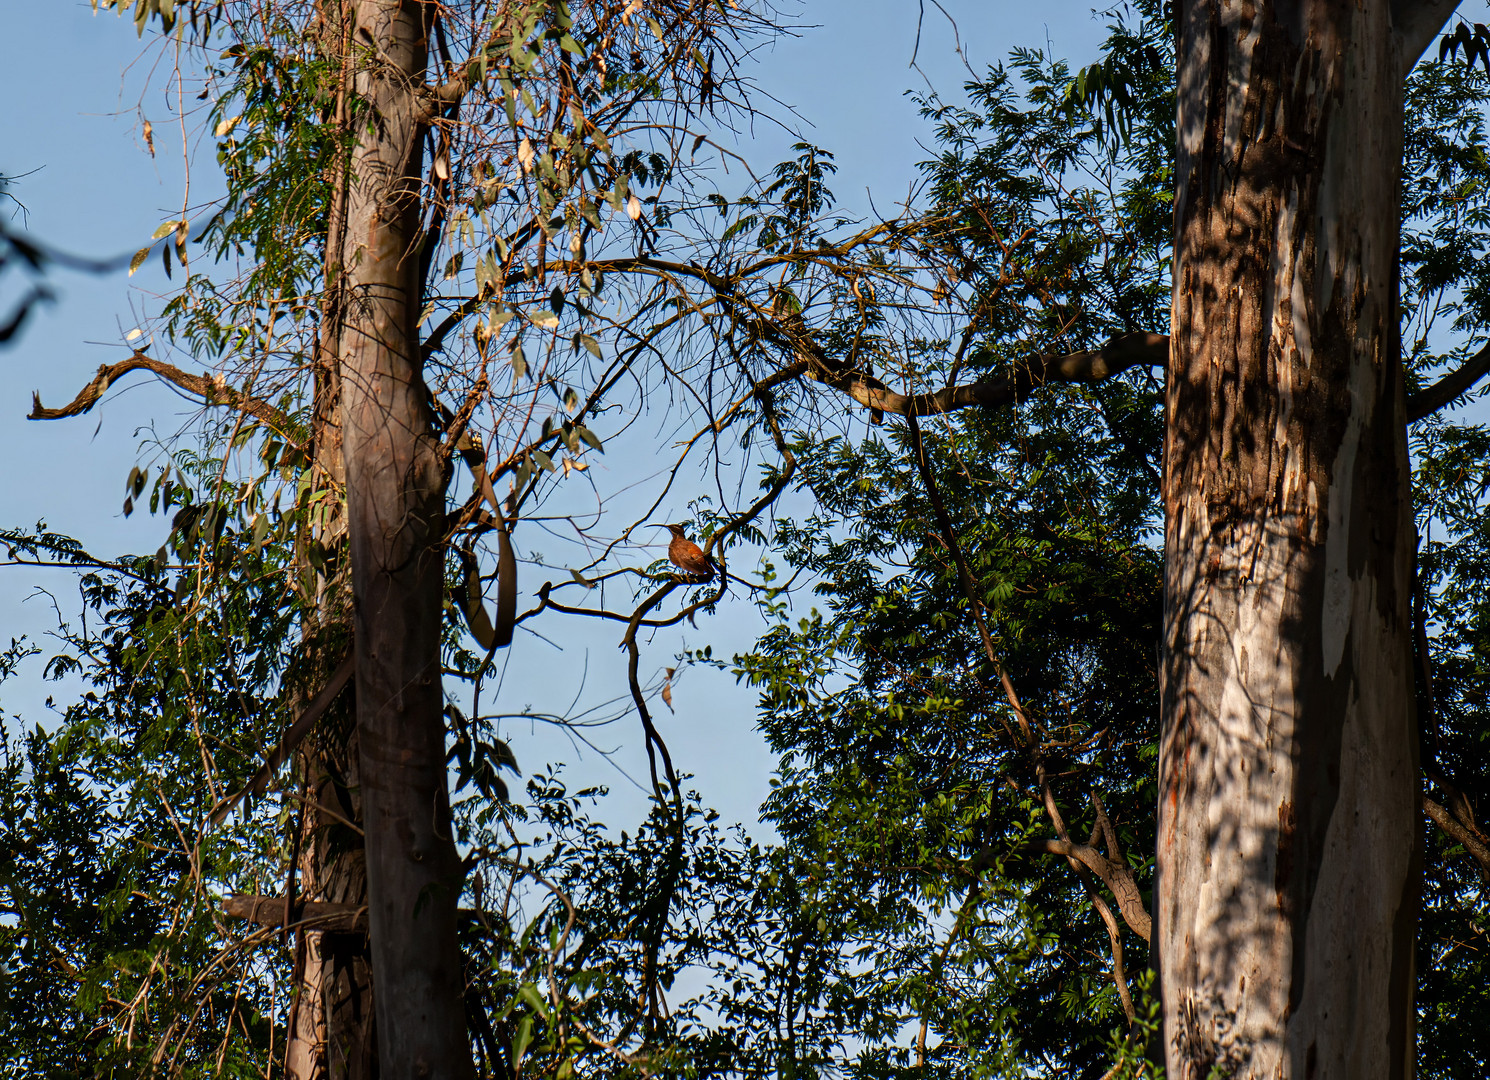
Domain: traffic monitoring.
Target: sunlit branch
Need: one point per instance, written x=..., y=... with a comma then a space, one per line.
x=212, y=391
x=1457, y=832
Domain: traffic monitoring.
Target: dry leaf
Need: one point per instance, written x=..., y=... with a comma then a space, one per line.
x=667, y=690
x=633, y=208
x=149, y=132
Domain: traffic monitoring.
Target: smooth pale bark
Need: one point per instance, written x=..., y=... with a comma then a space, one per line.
x=1287, y=886
x=394, y=504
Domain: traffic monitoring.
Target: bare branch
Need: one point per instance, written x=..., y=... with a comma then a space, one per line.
x=1445, y=390
x=211, y=390
x=270, y=911
x=1119, y=354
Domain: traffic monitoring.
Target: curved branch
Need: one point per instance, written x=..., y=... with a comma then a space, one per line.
x=1428, y=401
x=1121, y=353
x=212, y=391
x=1117, y=878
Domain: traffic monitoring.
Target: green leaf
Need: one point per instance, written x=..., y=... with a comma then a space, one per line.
x=589, y=436
x=530, y=994
x=521, y=1042
x=138, y=260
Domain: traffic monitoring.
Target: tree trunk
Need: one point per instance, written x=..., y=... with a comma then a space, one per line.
x=334, y=1037
x=337, y=982
x=1287, y=887
x=394, y=505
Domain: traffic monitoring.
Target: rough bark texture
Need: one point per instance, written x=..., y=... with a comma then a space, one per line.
x=338, y=965
x=1286, y=900
x=394, y=503
x=334, y=1036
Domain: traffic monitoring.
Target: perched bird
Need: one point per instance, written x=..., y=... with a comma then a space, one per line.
x=688, y=556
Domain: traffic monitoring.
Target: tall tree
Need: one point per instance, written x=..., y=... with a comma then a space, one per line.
x=394, y=507
x=1289, y=843
x=1028, y=584
x=408, y=157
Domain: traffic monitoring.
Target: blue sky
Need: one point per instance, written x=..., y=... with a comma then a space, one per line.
x=90, y=186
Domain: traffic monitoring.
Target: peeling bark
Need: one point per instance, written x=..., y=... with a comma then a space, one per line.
x=1288, y=742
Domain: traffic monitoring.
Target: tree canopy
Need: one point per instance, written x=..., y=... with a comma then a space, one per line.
x=925, y=450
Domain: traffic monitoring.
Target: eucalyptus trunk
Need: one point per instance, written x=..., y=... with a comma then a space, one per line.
x=394, y=504
x=333, y=1036
x=1287, y=885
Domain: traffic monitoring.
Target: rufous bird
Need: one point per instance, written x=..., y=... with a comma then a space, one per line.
x=688, y=556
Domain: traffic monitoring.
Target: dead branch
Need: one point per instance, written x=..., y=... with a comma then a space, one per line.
x=310, y=915
x=212, y=391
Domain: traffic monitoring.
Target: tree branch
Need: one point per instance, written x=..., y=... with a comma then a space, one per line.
x=292, y=738
x=270, y=911
x=1457, y=832
x=1117, y=877
x=213, y=391
x=1445, y=390
x=1122, y=352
